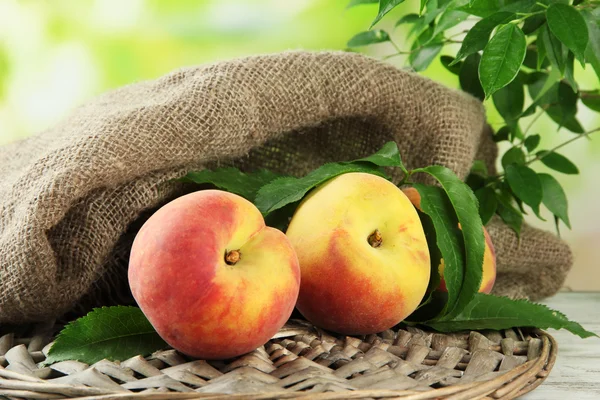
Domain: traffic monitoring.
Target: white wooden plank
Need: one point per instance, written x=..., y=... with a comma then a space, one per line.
x=576, y=374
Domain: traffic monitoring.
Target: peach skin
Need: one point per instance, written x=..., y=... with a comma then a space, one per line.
x=362, y=252
x=213, y=280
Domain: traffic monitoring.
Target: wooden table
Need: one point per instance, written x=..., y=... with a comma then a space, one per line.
x=576, y=374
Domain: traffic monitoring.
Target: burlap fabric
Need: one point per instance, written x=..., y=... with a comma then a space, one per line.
x=73, y=196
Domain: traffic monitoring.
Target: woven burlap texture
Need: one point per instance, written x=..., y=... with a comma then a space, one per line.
x=70, y=195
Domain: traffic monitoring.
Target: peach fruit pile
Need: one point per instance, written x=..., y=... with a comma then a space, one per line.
x=216, y=282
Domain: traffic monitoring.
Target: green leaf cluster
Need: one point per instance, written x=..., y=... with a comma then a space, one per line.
x=519, y=56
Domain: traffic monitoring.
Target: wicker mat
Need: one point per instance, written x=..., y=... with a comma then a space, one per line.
x=300, y=362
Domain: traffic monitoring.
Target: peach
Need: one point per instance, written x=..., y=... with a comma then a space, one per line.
x=211, y=278
x=489, y=255
x=363, y=255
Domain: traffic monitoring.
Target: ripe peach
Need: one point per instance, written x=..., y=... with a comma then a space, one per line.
x=489, y=255
x=363, y=255
x=212, y=279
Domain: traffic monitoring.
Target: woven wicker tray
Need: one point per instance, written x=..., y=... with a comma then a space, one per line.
x=300, y=362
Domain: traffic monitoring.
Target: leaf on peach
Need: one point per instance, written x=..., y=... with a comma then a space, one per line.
x=466, y=209
x=284, y=191
x=233, y=180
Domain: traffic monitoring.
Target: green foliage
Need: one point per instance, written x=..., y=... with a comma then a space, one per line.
x=494, y=312
x=281, y=192
x=520, y=55
x=385, y=6
x=568, y=25
x=502, y=58
x=557, y=162
x=478, y=36
x=487, y=204
x=233, y=180
x=438, y=207
x=114, y=333
x=368, y=37
x=468, y=70
x=465, y=207
x=360, y=2
x=407, y=19
x=554, y=198
x=525, y=184
x=592, y=52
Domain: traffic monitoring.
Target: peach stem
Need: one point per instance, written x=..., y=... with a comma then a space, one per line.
x=375, y=239
x=232, y=257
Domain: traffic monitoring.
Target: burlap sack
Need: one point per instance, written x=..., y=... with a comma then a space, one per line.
x=73, y=196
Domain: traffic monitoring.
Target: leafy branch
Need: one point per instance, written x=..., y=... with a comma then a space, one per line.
x=518, y=57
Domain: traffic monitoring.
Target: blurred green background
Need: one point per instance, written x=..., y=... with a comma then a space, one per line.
x=56, y=54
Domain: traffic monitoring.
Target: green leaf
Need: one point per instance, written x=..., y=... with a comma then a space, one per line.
x=510, y=215
x=541, y=54
x=525, y=184
x=531, y=59
x=408, y=19
x=513, y=156
x=521, y=6
x=354, y=3
x=564, y=112
x=422, y=6
x=450, y=64
x=479, y=34
x=466, y=208
x=368, y=37
x=425, y=22
x=281, y=192
x=481, y=8
x=450, y=242
x=544, y=87
x=592, y=52
x=568, y=25
x=554, y=198
x=509, y=100
x=487, y=203
x=434, y=280
x=502, y=58
x=233, y=180
x=387, y=156
x=421, y=58
x=502, y=134
x=567, y=99
x=555, y=50
x=493, y=312
x=424, y=50
x=385, y=6
x=469, y=81
x=284, y=191
x=570, y=72
x=533, y=23
x=591, y=100
x=114, y=333
x=569, y=122
x=559, y=100
x=448, y=19
x=557, y=162
x=479, y=168
x=532, y=142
